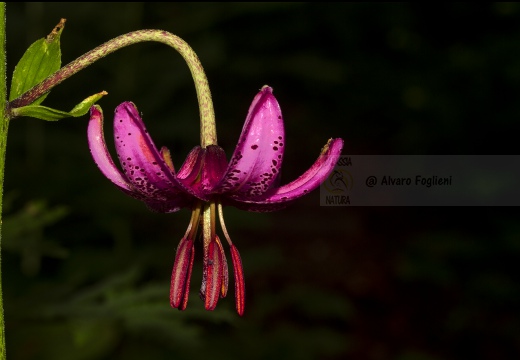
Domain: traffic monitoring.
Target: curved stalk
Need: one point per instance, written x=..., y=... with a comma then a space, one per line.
x=208, y=134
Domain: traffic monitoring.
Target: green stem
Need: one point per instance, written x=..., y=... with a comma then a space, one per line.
x=4, y=123
x=208, y=133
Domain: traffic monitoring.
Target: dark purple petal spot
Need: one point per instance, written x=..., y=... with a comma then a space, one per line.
x=129, y=134
x=284, y=197
x=279, y=156
x=281, y=144
x=254, y=147
x=276, y=142
x=275, y=148
x=275, y=162
x=129, y=158
x=279, y=116
x=274, y=171
x=279, y=137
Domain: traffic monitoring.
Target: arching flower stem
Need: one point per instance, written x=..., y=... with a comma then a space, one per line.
x=208, y=135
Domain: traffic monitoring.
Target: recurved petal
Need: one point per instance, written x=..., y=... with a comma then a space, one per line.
x=142, y=163
x=257, y=159
x=309, y=181
x=99, y=151
x=190, y=169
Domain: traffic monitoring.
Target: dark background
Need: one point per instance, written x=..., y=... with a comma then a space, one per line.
x=86, y=269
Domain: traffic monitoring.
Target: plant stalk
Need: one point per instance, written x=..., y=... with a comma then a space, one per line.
x=4, y=123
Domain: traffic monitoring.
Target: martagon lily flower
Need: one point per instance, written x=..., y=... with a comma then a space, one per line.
x=205, y=183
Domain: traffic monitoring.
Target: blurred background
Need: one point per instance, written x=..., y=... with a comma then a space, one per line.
x=86, y=269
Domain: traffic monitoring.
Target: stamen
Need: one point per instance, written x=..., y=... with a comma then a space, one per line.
x=240, y=286
x=165, y=152
x=208, y=226
x=225, y=272
x=213, y=276
x=181, y=274
x=209, y=281
x=183, y=265
x=222, y=224
x=194, y=222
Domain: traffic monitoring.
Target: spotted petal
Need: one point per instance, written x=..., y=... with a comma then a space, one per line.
x=142, y=163
x=257, y=159
x=102, y=158
x=310, y=180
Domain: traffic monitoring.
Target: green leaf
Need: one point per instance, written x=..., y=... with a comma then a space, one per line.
x=41, y=59
x=49, y=114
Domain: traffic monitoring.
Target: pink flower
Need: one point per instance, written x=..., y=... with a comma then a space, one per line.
x=206, y=182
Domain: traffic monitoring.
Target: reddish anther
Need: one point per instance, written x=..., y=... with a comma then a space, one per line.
x=225, y=272
x=213, y=271
x=181, y=274
x=240, y=286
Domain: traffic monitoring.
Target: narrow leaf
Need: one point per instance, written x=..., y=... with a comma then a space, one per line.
x=49, y=114
x=40, y=60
